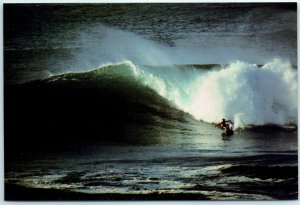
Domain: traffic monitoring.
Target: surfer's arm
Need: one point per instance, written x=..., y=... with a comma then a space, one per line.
x=218, y=125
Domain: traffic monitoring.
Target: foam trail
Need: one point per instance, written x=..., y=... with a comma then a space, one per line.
x=246, y=93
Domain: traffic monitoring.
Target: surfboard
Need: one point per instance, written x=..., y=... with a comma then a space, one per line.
x=228, y=132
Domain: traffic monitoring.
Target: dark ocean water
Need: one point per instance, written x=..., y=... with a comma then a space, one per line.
x=123, y=99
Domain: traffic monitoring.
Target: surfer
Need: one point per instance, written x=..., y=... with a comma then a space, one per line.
x=225, y=124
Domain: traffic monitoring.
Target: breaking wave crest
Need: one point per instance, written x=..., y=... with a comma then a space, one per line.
x=248, y=94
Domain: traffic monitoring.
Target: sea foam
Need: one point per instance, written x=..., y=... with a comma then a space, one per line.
x=245, y=93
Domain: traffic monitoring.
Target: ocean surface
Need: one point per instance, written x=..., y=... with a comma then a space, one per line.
x=123, y=99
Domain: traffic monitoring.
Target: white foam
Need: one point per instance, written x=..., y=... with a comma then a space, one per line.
x=246, y=93
x=216, y=195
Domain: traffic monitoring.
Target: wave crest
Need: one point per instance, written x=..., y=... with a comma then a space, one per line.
x=247, y=93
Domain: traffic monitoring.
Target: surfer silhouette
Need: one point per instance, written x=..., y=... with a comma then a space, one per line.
x=224, y=125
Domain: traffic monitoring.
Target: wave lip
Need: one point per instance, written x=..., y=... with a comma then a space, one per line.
x=249, y=94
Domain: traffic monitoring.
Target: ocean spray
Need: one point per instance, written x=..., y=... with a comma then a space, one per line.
x=246, y=93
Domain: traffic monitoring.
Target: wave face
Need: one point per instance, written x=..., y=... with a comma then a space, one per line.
x=126, y=102
x=247, y=93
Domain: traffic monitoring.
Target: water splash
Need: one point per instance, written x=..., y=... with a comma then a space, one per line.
x=247, y=93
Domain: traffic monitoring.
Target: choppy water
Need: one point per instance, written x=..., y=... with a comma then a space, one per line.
x=237, y=168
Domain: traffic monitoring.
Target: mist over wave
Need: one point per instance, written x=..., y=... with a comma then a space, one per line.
x=241, y=91
x=246, y=93
x=102, y=44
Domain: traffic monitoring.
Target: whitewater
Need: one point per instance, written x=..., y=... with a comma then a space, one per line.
x=249, y=94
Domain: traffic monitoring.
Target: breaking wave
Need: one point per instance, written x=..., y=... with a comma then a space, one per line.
x=249, y=94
